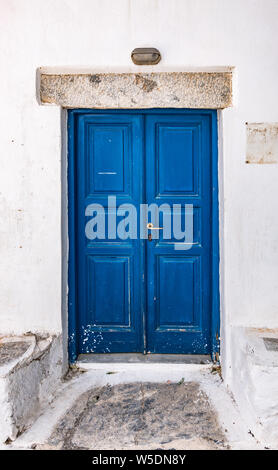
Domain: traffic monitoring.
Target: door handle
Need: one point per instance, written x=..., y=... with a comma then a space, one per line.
x=151, y=227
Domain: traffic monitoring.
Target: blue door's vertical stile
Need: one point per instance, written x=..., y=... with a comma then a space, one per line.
x=72, y=271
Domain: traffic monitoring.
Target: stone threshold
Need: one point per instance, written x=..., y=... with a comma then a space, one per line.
x=137, y=358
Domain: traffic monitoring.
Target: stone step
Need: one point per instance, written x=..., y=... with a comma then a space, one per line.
x=254, y=381
x=30, y=371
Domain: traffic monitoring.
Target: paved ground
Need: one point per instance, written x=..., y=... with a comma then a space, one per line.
x=138, y=415
x=151, y=406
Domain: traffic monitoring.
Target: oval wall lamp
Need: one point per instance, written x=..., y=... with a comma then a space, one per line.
x=145, y=56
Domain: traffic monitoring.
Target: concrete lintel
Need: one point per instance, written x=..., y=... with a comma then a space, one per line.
x=210, y=90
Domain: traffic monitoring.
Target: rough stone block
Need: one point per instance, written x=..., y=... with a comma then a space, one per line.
x=211, y=90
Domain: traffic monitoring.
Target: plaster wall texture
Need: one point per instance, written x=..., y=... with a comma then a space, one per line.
x=99, y=35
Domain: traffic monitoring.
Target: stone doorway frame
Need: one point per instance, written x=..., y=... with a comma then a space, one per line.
x=99, y=90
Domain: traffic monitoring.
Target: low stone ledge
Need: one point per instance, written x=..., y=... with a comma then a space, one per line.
x=254, y=381
x=30, y=371
x=210, y=90
x=11, y=349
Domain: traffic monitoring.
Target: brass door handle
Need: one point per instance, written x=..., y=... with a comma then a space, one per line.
x=151, y=227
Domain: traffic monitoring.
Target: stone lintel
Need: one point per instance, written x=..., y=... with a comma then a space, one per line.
x=210, y=90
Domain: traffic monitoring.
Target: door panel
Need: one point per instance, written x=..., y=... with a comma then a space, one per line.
x=109, y=162
x=109, y=290
x=106, y=174
x=178, y=171
x=178, y=279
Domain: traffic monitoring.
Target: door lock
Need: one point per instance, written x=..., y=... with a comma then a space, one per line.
x=151, y=227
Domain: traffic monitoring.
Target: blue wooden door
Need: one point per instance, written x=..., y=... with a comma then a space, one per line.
x=178, y=168
x=109, y=162
x=132, y=294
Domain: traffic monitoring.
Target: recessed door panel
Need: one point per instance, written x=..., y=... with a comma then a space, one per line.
x=178, y=292
x=109, y=159
x=109, y=291
x=175, y=167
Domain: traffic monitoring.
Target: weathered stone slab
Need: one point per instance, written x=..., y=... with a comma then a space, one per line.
x=262, y=142
x=271, y=344
x=211, y=90
x=140, y=415
x=12, y=350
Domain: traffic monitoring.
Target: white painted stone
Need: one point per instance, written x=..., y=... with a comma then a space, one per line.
x=254, y=382
x=27, y=383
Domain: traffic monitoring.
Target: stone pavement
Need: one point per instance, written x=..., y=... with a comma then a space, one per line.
x=145, y=415
x=150, y=406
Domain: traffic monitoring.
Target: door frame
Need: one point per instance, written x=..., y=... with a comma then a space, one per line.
x=215, y=258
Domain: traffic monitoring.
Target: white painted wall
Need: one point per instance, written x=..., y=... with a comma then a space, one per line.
x=98, y=34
